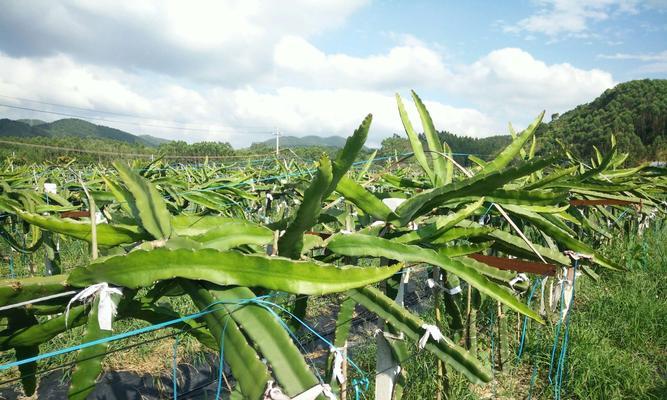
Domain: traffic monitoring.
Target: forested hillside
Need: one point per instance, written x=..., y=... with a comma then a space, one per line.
x=463, y=145
x=635, y=112
x=69, y=127
x=305, y=141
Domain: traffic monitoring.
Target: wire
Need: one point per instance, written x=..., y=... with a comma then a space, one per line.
x=183, y=128
x=119, y=114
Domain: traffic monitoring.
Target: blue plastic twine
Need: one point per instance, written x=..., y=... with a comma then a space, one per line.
x=525, y=320
x=174, y=369
x=563, y=350
x=360, y=385
x=357, y=383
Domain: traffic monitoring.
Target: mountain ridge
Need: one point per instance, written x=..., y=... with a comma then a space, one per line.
x=72, y=127
x=635, y=112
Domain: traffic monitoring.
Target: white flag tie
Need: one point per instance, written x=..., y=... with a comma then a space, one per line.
x=431, y=331
x=338, y=365
x=519, y=278
x=106, y=308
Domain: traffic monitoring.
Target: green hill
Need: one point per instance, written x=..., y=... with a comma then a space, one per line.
x=635, y=112
x=304, y=141
x=153, y=141
x=32, y=122
x=81, y=128
x=19, y=129
x=72, y=127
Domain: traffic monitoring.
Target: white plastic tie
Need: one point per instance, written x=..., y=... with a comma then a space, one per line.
x=269, y=196
x=519, y=278
x=393, y=202
x=345, y=232
x=378, y=223
x=50, y=188
x=431, y=283
x=455, y=290
x=338, y=364
x=106, y=308
x=577, y=256
x=389, y=335
x=273, y=392
x=432, y=331
x=100, y=218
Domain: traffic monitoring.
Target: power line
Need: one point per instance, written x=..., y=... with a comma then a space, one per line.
x=60, y=105
x=183, y=128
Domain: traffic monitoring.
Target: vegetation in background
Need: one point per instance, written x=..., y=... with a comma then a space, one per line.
x=635, y=112
x=483, y=148
x=618, y=342
x=202, y=234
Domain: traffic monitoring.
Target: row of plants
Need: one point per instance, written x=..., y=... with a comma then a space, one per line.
x=229, y=240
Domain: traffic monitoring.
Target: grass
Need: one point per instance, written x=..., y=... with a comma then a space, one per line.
x=617, y=347
x=618, y=338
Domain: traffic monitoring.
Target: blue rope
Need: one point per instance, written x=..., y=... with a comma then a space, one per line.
x=621, y=216
x=493, y=370
x=481, y=219
x=174, y=367
x=305, y=325
x=357, y=384
x=260, y=301
x=532, y=381
x=525, y=320
x=563, y=351
x=221, y=360
x=557, y=335
x=119, y=336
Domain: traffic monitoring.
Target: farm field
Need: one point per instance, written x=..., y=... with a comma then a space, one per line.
x=417, y=275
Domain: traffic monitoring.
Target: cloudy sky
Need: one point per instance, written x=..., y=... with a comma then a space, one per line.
x=236, y=70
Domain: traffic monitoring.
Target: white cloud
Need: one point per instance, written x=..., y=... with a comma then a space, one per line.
x=339, y=112
x=662, y=56
x=333, y=94
x=214, y=113
x=509, y=82
x=653, y=63
x=229, y=69
x=571, y=17
x=407, y=65
x=218, y=41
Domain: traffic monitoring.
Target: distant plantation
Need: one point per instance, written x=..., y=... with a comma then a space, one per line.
x=293, y=278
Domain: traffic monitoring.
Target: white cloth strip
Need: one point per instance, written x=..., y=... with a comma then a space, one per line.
x=431, y=331
x=431, y=283
x=393, y=202
x=577, y=256
x=273, y=392
x=389, y=335
x=50, y=188
x=100, y=218
x=338, y=364
x=37, y=300
x=106, y=308
x=519, y=278
x=455, y=290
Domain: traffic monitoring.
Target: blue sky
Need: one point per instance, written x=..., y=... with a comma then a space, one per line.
x=464, y=31
x=237, y=70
